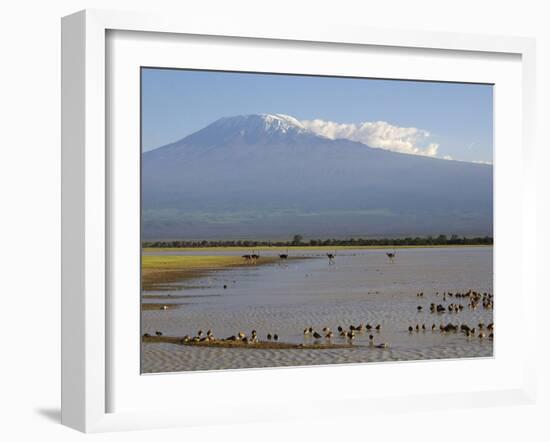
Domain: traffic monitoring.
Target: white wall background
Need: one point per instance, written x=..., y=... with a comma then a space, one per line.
x=30, y=214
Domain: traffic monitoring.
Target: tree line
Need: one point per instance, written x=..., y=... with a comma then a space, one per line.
x=298, y=240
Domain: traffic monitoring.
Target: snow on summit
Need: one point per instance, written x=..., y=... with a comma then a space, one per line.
x=251, y=129
x=269, y=123
x=282, y=122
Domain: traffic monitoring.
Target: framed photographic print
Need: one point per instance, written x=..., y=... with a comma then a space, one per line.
x=313, y=241
x=242, y=199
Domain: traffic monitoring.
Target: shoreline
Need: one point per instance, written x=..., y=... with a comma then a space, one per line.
x=158, y=272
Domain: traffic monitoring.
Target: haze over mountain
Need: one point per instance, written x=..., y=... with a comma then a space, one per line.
x=268, y=177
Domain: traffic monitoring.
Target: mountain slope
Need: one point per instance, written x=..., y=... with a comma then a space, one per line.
x=266, y=176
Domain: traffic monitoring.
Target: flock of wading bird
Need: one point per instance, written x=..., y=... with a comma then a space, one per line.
x=325, y=335
x=348, y=333
x=474, y=301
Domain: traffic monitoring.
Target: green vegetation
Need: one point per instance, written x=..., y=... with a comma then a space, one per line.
x=178, y=262
x=158, y=271
x=298, y=241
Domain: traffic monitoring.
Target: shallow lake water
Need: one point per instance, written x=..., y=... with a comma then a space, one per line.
x=361, y=286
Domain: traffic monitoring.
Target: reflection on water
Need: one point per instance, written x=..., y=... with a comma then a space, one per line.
x=362, y=286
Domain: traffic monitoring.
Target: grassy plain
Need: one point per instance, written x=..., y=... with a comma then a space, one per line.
x=160, y=270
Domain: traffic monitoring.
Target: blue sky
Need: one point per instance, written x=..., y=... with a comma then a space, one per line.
x=447, y=120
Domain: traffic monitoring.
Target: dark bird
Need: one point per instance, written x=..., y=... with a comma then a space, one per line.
x=275, y=337
x=410, y=329
x=316, y=335
x=378, y=327
x=269, y=336
x=464, y=328
x=158, y=333
x=450, y=327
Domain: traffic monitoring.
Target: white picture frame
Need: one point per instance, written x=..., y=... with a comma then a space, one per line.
x=86, y=204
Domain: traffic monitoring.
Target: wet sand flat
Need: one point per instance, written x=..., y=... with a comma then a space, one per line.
x=284, y=297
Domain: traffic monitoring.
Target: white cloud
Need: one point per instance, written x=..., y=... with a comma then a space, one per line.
x=379, y=134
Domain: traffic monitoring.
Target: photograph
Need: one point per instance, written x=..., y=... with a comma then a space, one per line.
x=302, y=220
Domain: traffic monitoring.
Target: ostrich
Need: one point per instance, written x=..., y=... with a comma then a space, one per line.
x=331, y=257
x=247, y=258
x=255, y=257
x=391, y=256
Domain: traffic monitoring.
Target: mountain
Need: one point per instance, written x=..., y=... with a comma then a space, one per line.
x=268, y=177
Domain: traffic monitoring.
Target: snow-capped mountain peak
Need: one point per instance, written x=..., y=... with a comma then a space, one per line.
x=268, y=123
x=282, y=122
x=255, y=129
